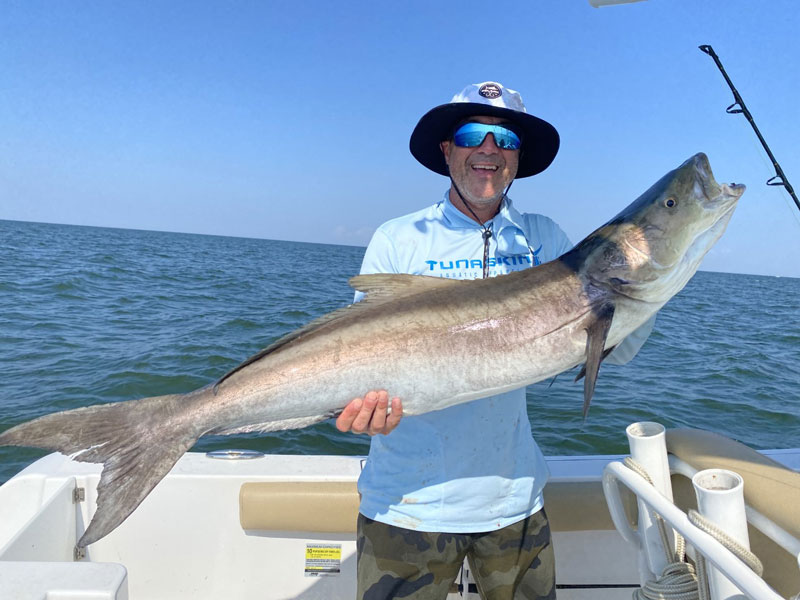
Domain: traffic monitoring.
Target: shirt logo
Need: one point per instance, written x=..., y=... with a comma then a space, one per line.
x=490, y=91
x=465, y=268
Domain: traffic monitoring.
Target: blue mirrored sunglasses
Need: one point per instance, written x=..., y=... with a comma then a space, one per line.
x=470, y=135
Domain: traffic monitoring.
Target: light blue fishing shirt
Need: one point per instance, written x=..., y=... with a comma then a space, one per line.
x=471, y=467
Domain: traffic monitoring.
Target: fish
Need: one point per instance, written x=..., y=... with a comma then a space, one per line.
x=432, y=342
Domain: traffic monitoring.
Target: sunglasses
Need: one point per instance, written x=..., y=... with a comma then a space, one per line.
x=470, y=135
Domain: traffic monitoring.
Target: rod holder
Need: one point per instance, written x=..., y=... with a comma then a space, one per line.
x=720, y=499
x=647, y=441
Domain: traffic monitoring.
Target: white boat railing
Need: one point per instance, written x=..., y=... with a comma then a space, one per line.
x=717, y=554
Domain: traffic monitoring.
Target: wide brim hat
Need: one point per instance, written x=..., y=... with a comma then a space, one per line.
x=540, y=140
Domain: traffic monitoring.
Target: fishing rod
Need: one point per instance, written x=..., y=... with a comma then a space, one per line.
x=739, y=107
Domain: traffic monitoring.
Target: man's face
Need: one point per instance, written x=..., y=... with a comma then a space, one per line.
x=481, y=173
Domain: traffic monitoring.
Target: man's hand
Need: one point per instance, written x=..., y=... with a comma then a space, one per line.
x=369, y=414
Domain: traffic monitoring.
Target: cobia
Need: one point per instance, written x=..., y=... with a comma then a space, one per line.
x=432, y=342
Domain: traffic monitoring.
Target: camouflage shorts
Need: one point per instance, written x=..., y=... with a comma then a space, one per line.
x=513, y=563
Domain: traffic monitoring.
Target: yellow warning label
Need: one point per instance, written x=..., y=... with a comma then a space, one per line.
x=324, y=551
x=323, y=560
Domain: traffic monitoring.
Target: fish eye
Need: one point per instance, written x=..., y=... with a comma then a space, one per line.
x=670, y=202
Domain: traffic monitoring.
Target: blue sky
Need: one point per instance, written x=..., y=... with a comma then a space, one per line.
x=291, y=121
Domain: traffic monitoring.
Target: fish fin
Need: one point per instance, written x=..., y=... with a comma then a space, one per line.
x=137, y=442
x=582, y=372
x=597, y=332
x=379, y=287
x=385, y=286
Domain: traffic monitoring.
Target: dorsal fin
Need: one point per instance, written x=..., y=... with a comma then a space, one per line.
x=379, y=287
x=383, y=286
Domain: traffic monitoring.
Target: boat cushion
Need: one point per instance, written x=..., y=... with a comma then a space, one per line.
x=318, y=506
x=332, y=506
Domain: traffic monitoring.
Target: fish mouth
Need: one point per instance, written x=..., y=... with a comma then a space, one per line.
x=724, y=201
x=713, y=193
x=719, y=200
x=733, y=189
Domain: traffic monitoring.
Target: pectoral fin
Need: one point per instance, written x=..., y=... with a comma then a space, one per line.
x=582, y=372
x=596, y=334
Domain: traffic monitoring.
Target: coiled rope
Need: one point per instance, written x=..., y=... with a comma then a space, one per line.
x=679, y=580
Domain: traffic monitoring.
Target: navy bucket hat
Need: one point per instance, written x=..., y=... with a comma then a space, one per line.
x=540, y=140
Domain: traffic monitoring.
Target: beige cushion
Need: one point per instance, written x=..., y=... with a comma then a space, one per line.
x=332, y=506
x=326, y=506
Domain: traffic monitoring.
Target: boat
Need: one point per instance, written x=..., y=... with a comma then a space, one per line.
x=241, y=524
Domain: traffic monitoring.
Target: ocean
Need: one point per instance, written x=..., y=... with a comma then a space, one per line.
x=91, y=315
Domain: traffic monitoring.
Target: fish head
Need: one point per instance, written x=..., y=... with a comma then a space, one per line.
x=651, y=249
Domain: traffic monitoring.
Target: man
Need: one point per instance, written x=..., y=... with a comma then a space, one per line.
x=466, y=480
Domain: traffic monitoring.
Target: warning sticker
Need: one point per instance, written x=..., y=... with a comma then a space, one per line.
x=323, y=560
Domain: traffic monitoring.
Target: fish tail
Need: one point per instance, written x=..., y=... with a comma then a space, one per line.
x=137, y=442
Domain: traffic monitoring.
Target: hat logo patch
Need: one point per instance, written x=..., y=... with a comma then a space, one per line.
x=490, y=91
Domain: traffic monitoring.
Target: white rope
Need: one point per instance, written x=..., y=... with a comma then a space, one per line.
x=679, y=580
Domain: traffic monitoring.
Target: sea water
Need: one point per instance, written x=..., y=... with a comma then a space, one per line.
x=91, y=315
